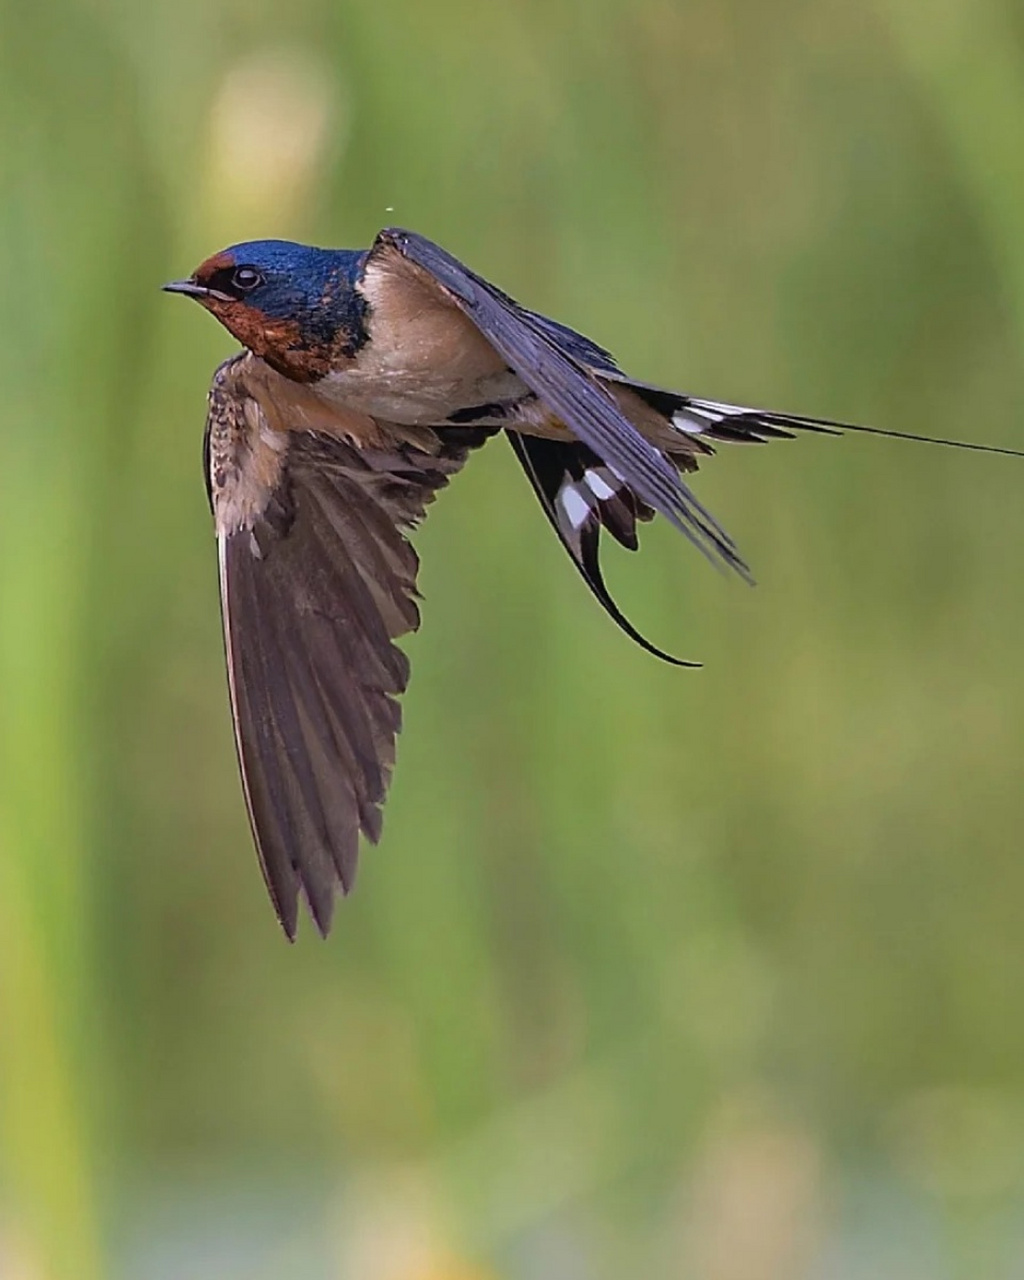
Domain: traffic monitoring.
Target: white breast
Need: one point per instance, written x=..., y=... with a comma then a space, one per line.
x=424, y=361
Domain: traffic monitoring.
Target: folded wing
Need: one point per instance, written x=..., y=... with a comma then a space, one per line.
x=558, y=365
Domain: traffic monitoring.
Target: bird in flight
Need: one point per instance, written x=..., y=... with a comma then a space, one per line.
x=366, y=380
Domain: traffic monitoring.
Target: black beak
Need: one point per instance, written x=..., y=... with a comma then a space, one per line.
x=188, y=287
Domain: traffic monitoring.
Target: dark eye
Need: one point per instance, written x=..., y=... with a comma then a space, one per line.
x=246, y=278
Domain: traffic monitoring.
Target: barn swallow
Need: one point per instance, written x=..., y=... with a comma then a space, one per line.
x=366, y=380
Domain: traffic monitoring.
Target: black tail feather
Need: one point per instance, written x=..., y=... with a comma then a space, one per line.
x=705, y=421
x=580, y=497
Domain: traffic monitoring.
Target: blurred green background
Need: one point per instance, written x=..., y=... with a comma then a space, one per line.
x=663, y=974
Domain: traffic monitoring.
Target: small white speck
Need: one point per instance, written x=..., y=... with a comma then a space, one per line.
x=389, y=208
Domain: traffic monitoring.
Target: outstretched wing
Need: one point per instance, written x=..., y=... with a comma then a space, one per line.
x=557, y=365
x=317, y=582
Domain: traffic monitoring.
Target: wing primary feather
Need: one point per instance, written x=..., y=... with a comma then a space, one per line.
x=273, y=833
x=283, y=747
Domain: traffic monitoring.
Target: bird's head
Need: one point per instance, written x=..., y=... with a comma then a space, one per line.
x=294, y=306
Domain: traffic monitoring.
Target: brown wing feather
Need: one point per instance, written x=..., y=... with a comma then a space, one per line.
x=317, y=582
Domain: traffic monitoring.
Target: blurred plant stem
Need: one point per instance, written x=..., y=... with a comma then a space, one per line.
x=45, y=983
x=65, y=217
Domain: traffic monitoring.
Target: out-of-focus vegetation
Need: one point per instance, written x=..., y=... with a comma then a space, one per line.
x=656, y=973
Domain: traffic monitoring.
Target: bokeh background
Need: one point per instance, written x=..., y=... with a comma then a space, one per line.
x=657, y=973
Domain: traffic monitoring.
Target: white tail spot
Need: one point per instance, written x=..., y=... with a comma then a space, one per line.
x=598, y=485
x=691, y=426
x=575, y=506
